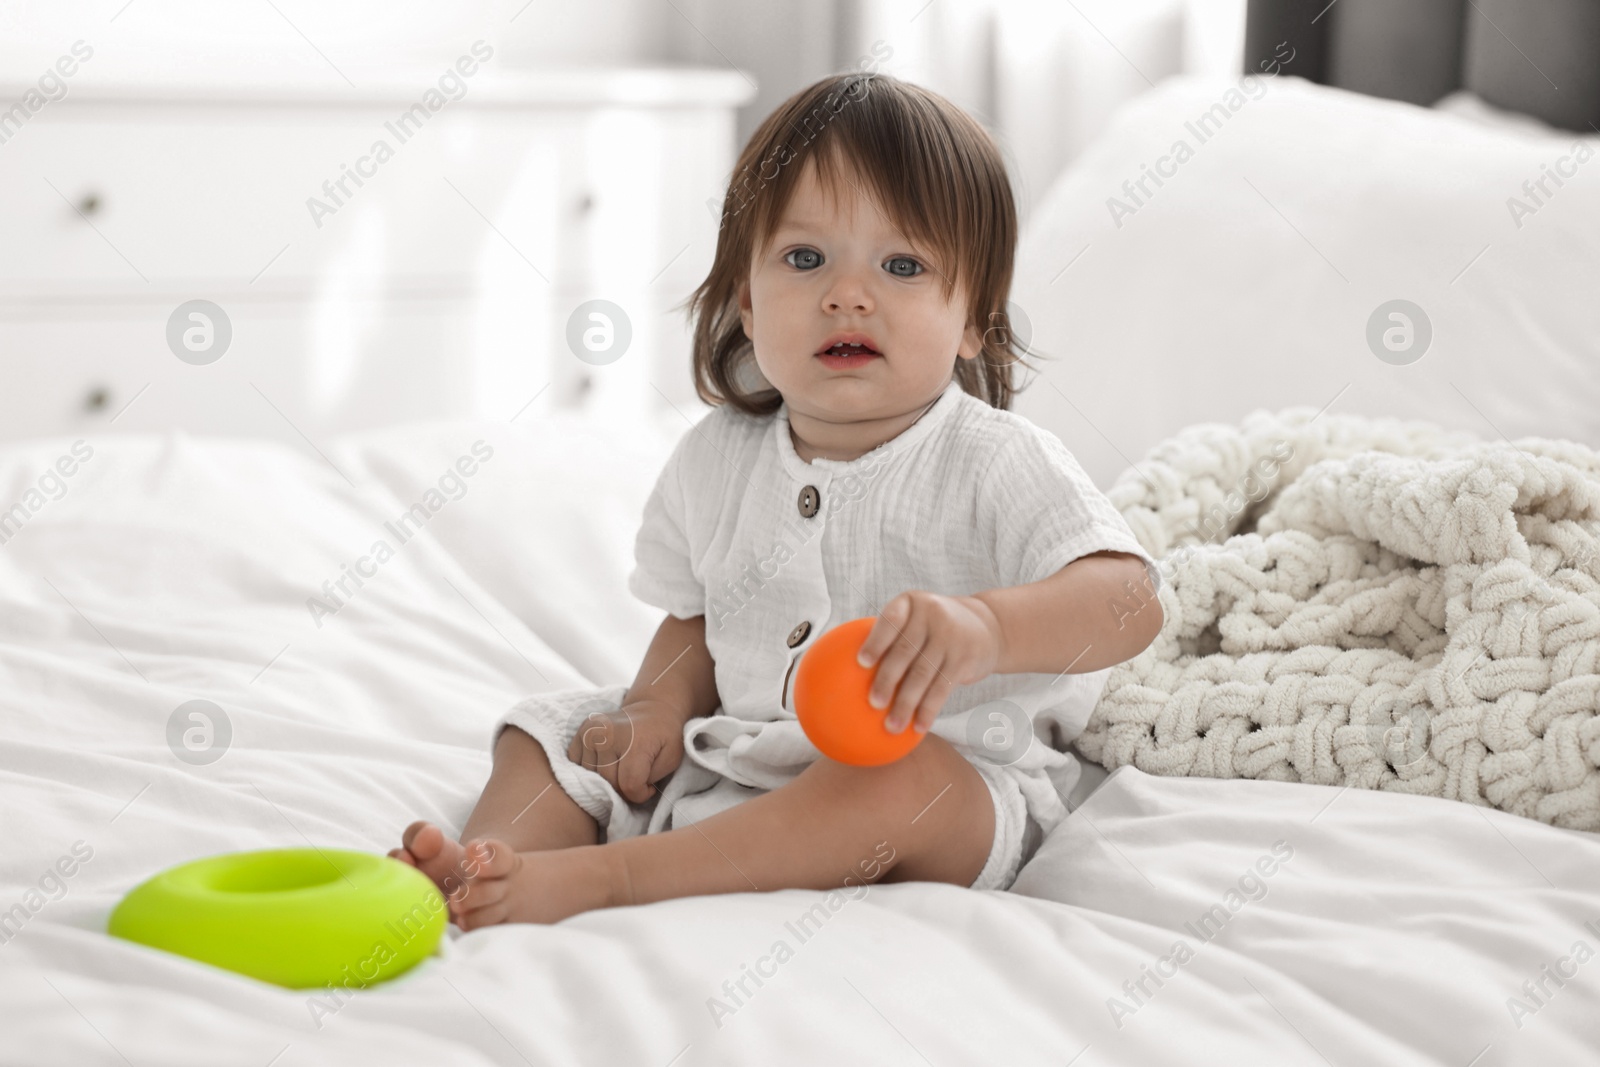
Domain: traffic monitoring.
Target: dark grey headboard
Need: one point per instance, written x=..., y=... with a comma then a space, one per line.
x=1539, y=57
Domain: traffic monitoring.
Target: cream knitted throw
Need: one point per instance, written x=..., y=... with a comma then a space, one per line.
x=1368, y=602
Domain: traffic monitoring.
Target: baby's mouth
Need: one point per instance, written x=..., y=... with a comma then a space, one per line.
x=850, y=350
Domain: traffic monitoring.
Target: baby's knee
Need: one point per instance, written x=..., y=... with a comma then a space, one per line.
x=933, y=763
x=934, y=757
x=516, y=745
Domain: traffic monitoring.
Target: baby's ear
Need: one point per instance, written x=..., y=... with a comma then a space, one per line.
x=971, y=343
x=746, y=312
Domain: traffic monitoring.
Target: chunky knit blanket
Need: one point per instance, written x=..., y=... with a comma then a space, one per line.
x=1368, y=602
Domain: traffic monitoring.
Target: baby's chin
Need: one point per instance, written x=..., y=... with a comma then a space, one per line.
x=845, y=402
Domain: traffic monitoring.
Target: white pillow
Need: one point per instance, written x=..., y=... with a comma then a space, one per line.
x=1464, y=103
x=546, y=524
x=1248, y=277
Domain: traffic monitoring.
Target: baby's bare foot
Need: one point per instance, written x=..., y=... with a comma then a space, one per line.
x=442, y=858
x=537, y=887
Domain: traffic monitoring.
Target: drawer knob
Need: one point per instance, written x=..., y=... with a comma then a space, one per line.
x=96, y=398
x=90, y=203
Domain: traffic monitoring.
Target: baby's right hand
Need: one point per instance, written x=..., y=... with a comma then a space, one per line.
x=631, y=747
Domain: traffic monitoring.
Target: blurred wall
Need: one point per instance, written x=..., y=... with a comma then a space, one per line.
x=1043, y=75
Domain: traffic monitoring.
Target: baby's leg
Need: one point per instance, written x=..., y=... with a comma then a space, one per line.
x=932, y=808
x=522, y=806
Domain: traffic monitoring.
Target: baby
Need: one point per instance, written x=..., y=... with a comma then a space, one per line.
x=861, y=460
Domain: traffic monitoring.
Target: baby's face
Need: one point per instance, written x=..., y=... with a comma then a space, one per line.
x=835, y=268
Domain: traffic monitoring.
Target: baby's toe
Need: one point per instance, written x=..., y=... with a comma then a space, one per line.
x=480, y=893
x=488, y=915
x=488, y=859
x=423, y=840
x=435, y=855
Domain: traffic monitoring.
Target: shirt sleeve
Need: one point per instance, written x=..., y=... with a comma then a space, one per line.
x=1042, y=511
x=664, y=573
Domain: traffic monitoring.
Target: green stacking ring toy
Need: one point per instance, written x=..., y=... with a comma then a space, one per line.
x=298, y=917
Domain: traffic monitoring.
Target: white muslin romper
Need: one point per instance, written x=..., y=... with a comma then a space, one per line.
x=775, y=551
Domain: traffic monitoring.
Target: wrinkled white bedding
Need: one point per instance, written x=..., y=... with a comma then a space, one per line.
x=174, y=570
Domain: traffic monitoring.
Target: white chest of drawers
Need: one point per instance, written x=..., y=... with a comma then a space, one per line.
x=439, y=285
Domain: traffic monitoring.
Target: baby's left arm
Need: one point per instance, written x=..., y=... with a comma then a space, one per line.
x=1095, y=612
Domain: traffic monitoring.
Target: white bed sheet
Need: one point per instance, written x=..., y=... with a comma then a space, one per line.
x=177, y=569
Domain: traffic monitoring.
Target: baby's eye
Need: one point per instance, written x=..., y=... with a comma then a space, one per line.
x=908, y=260
x=804, y=252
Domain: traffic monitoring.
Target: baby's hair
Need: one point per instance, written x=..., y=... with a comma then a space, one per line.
x=926, y=162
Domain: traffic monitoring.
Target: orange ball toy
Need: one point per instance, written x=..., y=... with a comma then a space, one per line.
x=830, y=700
